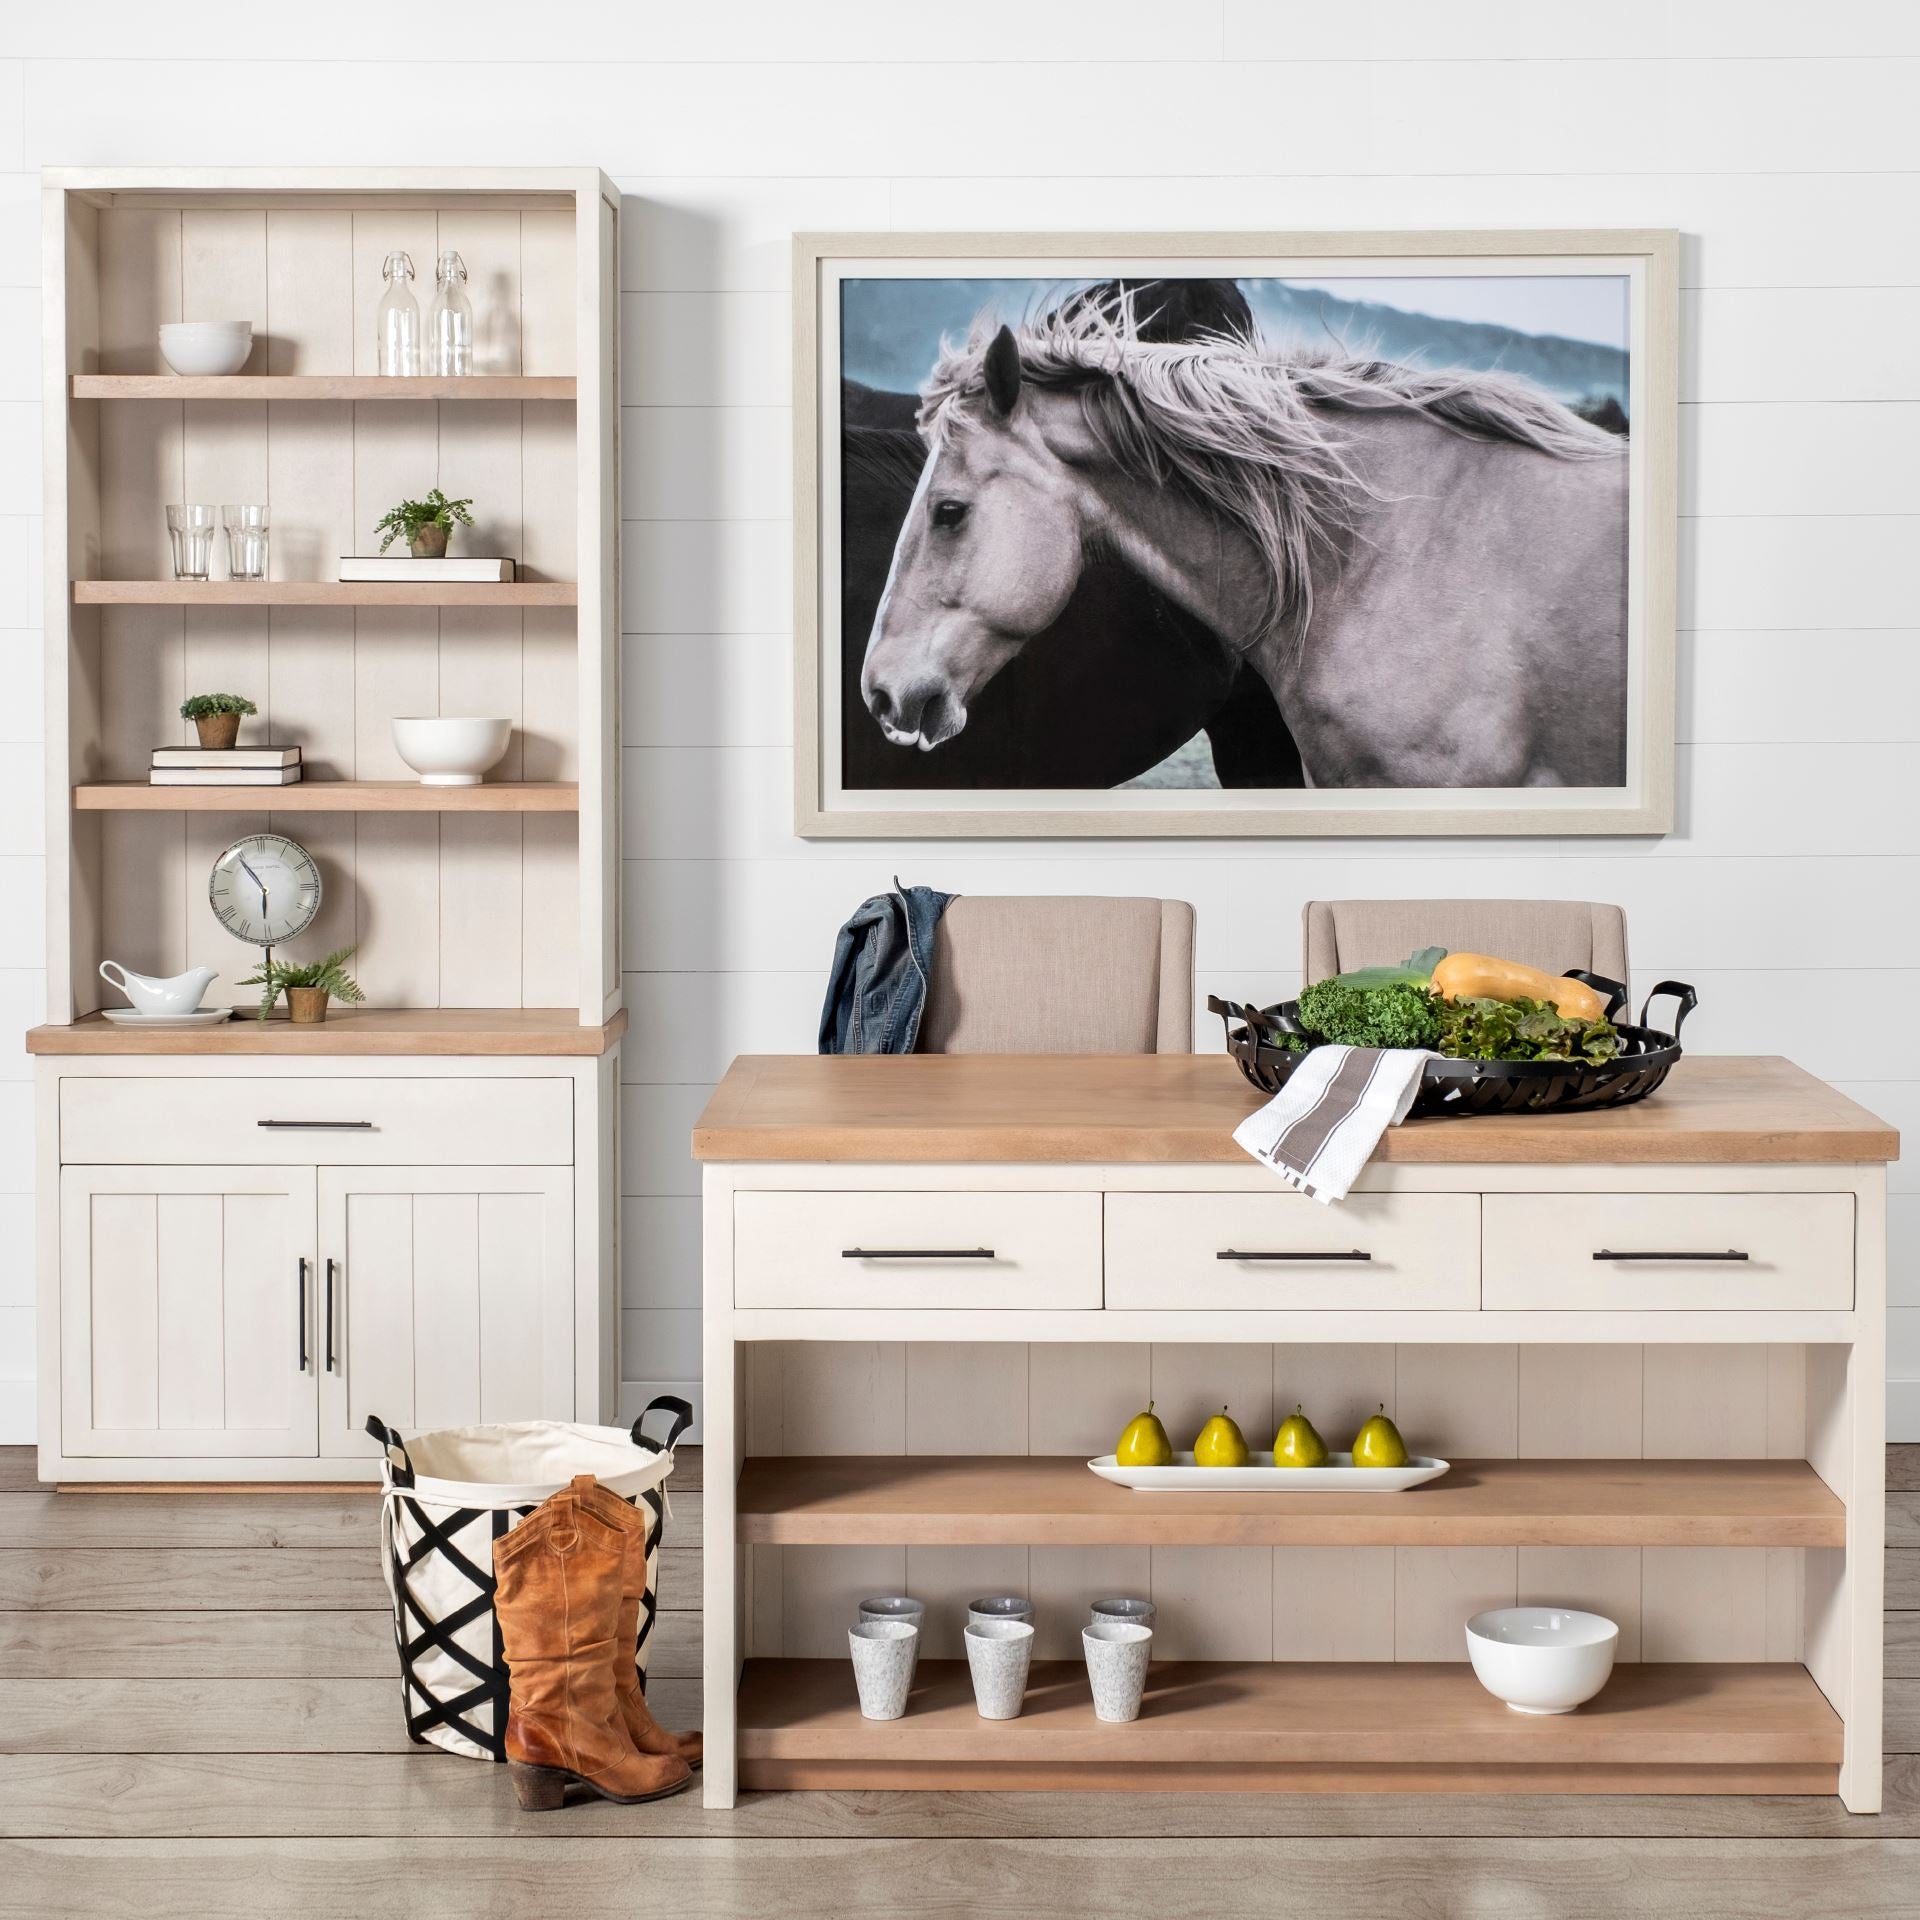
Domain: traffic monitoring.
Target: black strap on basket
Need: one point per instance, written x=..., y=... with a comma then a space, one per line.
x=682, y=1412
x=1681, y=992
x=390, y=1441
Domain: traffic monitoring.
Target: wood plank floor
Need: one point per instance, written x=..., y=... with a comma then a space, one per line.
x=199, y=1717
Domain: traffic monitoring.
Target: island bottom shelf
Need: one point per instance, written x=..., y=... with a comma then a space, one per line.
x=1297, y=1727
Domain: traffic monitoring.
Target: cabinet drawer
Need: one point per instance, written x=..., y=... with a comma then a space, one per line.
x=1282, y=1250
x=339, y=1122
x=903, y=1250
x=1737, y=1251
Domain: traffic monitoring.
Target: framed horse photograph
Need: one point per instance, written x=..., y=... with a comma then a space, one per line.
x=1201, y=534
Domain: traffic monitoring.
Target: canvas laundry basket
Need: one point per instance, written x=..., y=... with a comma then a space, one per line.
x=446, y=1498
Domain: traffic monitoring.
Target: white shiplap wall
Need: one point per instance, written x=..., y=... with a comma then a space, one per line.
x=1778, y=137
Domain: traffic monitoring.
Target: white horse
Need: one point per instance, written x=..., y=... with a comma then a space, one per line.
x=1428, y=569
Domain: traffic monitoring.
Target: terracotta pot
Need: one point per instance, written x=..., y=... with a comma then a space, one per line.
x=218, y=731
x=430, y=543
x=307, y=1006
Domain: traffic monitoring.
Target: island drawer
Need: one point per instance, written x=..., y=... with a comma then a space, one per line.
x=1649, y=1252
x=1236, y=1251
x=345, y=1121
x=882, y=1251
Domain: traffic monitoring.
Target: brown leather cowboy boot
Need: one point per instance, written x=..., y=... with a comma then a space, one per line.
x=648, y=1734
x=559, y=1581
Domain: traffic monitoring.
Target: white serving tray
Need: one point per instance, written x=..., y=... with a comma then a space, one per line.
x=1339, y=1475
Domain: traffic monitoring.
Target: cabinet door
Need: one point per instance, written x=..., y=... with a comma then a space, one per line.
x=450, y=1292
x=187, y=1316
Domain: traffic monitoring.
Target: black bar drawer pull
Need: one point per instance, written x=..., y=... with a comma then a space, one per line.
x=1732, y=1253
x=1288, y=1253
x=330, y=1266
x=321, y=1126
x=916, y=1253
x=303, y=1314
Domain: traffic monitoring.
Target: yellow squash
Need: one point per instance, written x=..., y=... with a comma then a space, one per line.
x=1479, y=976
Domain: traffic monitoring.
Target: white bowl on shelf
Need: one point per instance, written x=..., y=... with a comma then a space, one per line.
x=199, y=347
x=1541, y=1659
x=450, y=753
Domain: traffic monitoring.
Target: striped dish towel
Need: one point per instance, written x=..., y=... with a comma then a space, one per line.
x=1320, y=1129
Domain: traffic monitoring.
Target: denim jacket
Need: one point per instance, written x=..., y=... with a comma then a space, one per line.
x=877, y=989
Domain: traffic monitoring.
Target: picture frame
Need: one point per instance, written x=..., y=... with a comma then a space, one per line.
x=1452, y=468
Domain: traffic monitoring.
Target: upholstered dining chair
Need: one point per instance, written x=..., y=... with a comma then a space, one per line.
x=1061, y=974
x=1339, y=935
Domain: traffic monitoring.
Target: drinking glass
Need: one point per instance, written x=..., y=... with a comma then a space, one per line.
x=246, y=542
x=192, y=530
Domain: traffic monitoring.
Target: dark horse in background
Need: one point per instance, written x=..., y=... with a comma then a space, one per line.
x=1119, y=681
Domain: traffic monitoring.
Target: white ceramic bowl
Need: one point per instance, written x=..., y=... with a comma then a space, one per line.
x=206, y=346
x=450, y=753
x=1541, y=1659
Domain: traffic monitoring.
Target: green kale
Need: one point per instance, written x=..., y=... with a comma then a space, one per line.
x=1400, y=1015
x=1520, y=1030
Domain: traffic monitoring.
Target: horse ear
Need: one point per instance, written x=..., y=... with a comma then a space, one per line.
x=1002, y=370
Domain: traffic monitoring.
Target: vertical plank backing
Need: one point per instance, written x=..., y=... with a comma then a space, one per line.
x=141, y=681
x=188, y=1316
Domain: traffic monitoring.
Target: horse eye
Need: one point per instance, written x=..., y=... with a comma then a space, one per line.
x=949, y=513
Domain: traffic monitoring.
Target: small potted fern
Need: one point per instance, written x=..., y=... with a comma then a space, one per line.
x=308, y=988
x=423, y=524
x=216, y=718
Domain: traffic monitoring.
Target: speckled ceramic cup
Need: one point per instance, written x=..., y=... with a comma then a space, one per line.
x=1117, y=1655
x=1000, y=1606
x=1136, y=1613
x=999, y=1653
x=884, y=1652
x=894, y=1606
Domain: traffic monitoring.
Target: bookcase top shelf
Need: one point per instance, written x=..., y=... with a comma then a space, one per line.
x=331, y=796
x=322, y=386
x=325, y=593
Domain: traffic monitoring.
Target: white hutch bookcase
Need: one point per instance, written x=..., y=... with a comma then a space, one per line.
x=252, y=1236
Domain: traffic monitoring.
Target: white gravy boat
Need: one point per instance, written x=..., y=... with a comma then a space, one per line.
x=181, y=994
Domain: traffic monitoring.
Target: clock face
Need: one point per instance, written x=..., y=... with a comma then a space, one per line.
x=265, y=888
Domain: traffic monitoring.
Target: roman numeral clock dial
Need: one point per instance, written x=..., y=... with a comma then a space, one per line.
x=265, y=888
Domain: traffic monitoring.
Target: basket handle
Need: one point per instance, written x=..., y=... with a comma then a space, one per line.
x=682, y=1419
x=1615, y=990
x=1681, y=992
x=391, y=1443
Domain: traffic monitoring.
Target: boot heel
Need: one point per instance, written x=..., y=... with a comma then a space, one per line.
x=538, y=1789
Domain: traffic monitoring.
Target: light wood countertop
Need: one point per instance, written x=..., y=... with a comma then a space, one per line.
x=1182, y=1108
x=389, y=1032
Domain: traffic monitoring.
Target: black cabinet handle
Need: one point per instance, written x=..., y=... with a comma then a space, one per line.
x=320, y=1126
x=330, y=1316
x=1288, y=1253
x=302, y=1338
x=916, y=1253
x=1607, y=1253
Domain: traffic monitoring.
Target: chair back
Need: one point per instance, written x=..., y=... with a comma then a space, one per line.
x=1558, y=935
x=1061, y=974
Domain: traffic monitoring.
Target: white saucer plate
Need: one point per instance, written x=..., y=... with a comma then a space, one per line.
x=204, y=1017
x=1339, y=1475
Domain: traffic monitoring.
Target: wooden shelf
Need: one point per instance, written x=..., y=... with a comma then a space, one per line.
x=409, y=1032
x=847, y=1500
x=321, y=386
x=331, y=796
x=325, y=593
x=1302, y=1726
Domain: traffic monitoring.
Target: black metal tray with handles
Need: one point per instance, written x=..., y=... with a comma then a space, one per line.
x=1645, y=1059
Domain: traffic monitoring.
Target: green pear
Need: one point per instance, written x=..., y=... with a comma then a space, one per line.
x=1378, y=1443
x=1143, y=1442
x=1220, y=1443
x=1297, y=1444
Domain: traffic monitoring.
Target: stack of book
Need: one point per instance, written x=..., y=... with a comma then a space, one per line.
x=225, y=767
x=385, y=567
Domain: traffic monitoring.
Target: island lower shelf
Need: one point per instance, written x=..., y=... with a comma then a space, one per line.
x=1052, y=1500
x=1298, y=1727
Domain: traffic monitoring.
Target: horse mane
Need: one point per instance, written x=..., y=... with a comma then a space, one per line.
x=1241, y=426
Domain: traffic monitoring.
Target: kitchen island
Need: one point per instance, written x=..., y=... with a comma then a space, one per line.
x=1651, y=1340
